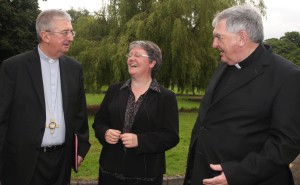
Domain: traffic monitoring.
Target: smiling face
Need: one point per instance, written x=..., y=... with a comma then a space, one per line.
x=227, y=43
x=139, y=64
x=54, y=42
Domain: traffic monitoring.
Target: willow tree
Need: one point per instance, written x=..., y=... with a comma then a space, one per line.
x=182, y=29
x=86, y=48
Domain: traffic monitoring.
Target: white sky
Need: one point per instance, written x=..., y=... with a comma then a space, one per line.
x=90, y=5
x=282, y=16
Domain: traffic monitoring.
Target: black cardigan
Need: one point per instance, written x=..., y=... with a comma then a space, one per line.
x=156, y=125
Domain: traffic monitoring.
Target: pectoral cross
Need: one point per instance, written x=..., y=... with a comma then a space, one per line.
x=52, y=125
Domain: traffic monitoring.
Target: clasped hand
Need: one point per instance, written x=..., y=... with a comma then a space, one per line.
x=217, y=180
x=113, y=136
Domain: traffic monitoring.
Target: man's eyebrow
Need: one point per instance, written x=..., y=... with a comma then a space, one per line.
x=217, y=35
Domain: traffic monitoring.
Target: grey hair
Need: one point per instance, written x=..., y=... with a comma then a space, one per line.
x=45, y=19
x=243, y=17
x=153, y=52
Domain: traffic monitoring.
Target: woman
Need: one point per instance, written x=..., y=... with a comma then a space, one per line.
x=137, y=122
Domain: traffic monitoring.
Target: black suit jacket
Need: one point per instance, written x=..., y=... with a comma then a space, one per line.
x=23, y=117
x=155, y=123
x=253, y=127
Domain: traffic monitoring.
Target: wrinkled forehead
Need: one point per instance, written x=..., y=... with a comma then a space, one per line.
x=61, y=24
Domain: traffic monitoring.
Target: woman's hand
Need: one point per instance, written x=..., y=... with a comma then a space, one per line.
x=112, y=136
x=129, y=140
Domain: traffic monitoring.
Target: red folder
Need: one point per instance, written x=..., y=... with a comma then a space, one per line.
x=75, y=153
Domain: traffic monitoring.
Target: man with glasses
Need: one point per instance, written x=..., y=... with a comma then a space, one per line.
x=42, y=106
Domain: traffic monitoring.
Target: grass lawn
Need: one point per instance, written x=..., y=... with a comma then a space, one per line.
x=94, y=99
x=176, y=157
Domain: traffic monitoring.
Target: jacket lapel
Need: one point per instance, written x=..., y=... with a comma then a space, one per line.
x=123, y=98
x=35, y=70
x=212, y=85
x=63, y=65
x=241, y=77
x=146, y=104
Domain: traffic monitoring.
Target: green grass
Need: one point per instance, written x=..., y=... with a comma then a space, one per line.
x=94, y=99
x=184, y=101
x=89, y=168
x=176, y=157
x=188, y=102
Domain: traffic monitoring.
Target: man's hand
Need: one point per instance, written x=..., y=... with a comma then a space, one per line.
x=217, y=180
x=80, y=159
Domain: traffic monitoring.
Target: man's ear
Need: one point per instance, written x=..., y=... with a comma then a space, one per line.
x=45, y=36
x=243, y=38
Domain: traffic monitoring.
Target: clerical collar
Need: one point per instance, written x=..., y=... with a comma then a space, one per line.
x=237, y=66
x=247, y=61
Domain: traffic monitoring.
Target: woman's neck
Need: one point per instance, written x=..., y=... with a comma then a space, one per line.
x=139, y=87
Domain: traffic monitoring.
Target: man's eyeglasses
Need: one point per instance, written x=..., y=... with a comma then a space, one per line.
x=136, y=55
x=64, y=33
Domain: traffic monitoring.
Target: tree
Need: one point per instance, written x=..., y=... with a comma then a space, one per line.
x=17, y=26
x=287, y=46
x=76, y=14
x=182, y=29
x=93, y=49
x=293, y=36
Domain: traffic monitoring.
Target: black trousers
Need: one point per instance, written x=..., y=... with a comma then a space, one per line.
x=50, y=169
x=109, y=179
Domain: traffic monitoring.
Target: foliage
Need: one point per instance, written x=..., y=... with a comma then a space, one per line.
x=17, y=26
x=293, y=37
x=287, y=46
x=182, y=29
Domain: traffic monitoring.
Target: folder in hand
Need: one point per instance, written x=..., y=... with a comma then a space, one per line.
x=75, y=153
